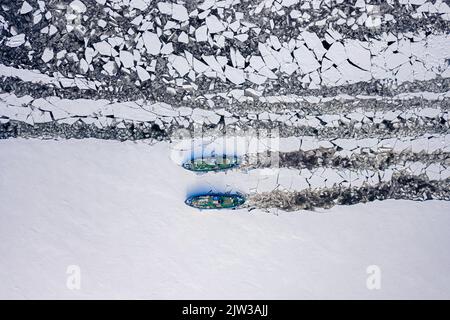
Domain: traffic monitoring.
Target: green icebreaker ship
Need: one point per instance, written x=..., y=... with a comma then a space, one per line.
x=216, y=201
x=211, y=164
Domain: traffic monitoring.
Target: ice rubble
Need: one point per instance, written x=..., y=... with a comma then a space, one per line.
x=401, y=57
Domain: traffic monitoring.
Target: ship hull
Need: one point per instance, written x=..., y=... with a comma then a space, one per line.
x=210, y=165
x=216, y=201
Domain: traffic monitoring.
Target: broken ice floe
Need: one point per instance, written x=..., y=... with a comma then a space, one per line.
x=165, y=33
x=356, y=122
x=400, y=186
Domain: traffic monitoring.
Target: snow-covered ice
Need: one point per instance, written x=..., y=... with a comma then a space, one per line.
x=116, y=210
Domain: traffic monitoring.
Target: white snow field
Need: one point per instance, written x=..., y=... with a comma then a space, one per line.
x=117, y=211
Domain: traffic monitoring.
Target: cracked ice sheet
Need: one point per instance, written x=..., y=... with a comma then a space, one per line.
x=63, y=108
x=265, y=180
x=34, y=76
x=181, y=150
x=222, y=251
x=270, y=179
x=141, y=111
x=293, y=98
x=426, y=59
